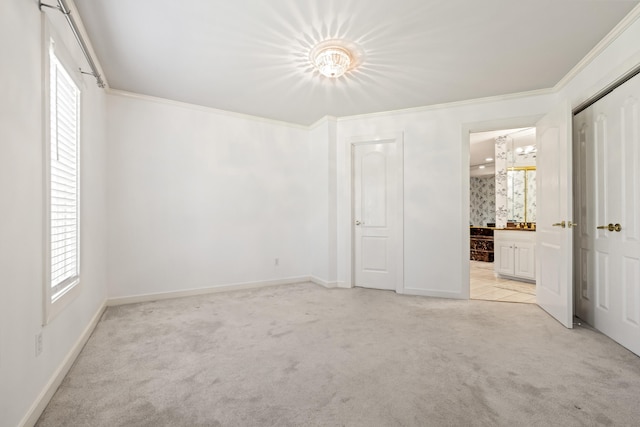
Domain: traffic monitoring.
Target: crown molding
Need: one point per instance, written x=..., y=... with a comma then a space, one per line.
x=196, y=107
x=616, y=32
x=328, y=118
x=455, y=104
x=322, y=121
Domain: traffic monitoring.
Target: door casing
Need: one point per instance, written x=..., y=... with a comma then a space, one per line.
x=466, y=130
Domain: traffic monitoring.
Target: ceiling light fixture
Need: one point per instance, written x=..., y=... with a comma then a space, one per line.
x=331, y=61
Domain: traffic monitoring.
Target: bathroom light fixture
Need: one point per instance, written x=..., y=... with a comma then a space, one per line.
x=528, y=149
x=331, y=61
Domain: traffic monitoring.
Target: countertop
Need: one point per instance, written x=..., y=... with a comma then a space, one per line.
x=505, y=228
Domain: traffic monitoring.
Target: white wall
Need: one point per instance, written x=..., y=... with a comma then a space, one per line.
x=23, y=376
x=322, y=191
x=319, y=201
x=199, y=199
x=436, y=186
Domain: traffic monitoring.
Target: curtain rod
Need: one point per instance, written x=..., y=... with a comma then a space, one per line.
x=62, y=7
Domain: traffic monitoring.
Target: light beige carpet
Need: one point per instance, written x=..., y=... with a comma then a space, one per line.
x=302, y=355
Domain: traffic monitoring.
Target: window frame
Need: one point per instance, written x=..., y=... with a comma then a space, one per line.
x=67, y=290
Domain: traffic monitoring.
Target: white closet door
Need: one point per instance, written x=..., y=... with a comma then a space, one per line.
x=609, y=268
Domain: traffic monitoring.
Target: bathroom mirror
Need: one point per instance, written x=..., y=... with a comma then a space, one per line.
x=521, y=178
x=521, y=194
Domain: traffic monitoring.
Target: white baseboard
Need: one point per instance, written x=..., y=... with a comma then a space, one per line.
x=50, y=388
x=324, y=283
x=202, y=291
x=433, y=293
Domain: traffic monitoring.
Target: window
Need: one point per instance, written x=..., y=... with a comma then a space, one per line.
x=63, y=219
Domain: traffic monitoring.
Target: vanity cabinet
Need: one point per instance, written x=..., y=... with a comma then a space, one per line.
x=515, y=254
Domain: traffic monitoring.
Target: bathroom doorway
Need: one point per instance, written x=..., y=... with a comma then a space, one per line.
x=502, y=215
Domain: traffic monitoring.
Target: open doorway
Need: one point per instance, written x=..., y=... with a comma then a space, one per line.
x=502, y=215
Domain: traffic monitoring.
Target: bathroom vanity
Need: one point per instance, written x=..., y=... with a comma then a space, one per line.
x=515, y=254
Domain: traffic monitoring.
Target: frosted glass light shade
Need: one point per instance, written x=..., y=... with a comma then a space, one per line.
x=332, y=61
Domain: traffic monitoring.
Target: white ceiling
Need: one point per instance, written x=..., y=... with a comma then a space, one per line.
x=251, y=56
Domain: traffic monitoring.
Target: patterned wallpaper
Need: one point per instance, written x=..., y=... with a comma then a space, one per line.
x=483, y=200
x=531, y=196
x=515, y=188
x=501, y=181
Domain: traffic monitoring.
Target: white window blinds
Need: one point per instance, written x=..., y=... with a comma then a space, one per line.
x=64, y=209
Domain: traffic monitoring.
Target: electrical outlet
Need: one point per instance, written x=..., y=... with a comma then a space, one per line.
x=38, y=343
x=277, y=261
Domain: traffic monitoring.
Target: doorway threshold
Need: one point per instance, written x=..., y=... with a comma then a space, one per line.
x=484, y=285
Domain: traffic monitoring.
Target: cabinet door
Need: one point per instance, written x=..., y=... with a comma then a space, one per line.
x=504, y=261
x=525, y=260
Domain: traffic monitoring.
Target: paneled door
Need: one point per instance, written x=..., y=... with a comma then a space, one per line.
x=375, y=215
x=554, y=195
x=608, y=142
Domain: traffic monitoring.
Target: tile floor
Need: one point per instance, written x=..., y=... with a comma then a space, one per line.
x=486, y=286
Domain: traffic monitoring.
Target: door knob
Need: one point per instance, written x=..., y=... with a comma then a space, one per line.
x=359, y=223
x=609, y=227
x=560, y=224
x=617, y=227
x=571, y=224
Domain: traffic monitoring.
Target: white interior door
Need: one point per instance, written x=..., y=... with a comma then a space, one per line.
x=609, y=273
x=375, y=222
x=585, y=233
x=554, y=266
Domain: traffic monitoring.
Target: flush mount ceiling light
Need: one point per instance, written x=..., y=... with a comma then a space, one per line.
x=332, y=61
x=333, y=58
